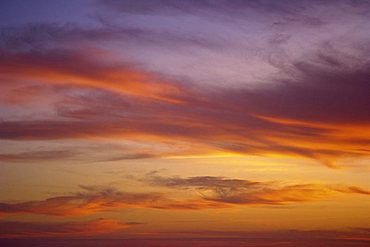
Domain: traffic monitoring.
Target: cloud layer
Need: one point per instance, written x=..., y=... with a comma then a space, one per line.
x=310, y=101
x=206, y=193
x=18, y=229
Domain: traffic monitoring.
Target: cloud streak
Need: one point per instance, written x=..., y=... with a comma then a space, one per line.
x=16, y=229
x=95, y=199
x=92, y=200
x=36, y=156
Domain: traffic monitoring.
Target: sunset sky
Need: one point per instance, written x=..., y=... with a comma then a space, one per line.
x=185, y=123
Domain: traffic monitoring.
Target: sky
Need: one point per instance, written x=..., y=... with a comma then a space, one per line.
x=174, y=123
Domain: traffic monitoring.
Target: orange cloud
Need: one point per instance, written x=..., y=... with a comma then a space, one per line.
x=85, y=68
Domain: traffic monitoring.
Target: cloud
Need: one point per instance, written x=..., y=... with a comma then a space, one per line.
x=319, y=94
x=41, y=36
x=205, y=192
x=315, y=106
x=90, y=68
x=49, y=36
x=245, y=192
x=90, y=201
x=168, y=6
x=204, y=182
x=286, y=119
x=18, y=229
x=132, y=156
x=80, y=152
x=95, y=199
x=36, y=156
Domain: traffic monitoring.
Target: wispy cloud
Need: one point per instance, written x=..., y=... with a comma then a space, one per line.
x=245, y=192
x=36, y=156
x=90, y=201
x=207, y=192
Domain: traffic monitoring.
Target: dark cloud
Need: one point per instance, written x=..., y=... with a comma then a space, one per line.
x=41, y=36
x=80, y=153
x=132, y=156
x=44, y=36
x=281, y=13
x=324, y=88
x=36, y=156
x=163, y=6
x=202, y=182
